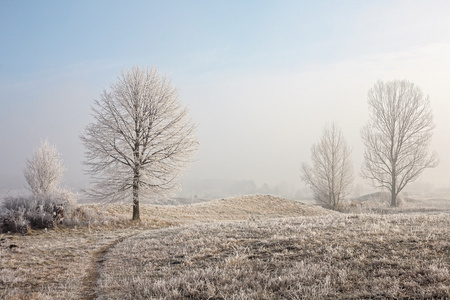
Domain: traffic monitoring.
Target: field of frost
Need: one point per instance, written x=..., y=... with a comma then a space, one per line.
x=326, y=257
x=250, y=247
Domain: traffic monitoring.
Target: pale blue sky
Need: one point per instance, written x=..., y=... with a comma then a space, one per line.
x=200, y=35
x=260, y=77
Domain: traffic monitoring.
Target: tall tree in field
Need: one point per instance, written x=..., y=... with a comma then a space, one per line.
x=397, y=136
x=331, y=175
x=44, y=170
x=141, y=140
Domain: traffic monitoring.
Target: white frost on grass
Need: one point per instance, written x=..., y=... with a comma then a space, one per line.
x=335, y=256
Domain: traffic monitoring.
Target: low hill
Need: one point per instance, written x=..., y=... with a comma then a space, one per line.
x=233, y=208
x=373, y=197
x=384, y=197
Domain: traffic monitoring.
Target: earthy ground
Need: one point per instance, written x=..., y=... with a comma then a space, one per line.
x=258, y=247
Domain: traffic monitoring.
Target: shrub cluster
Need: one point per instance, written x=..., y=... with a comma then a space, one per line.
x=21, y=213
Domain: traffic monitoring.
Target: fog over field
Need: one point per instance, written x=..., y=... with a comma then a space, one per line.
x=261, y=79
x=275, y=116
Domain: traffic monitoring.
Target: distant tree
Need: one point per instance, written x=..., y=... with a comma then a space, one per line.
x=264, y=189
x=331, y=175
x=141, y=140
x=44, y=170
x=397, y=136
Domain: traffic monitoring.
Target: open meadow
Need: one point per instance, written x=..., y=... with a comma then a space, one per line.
x=250, y=247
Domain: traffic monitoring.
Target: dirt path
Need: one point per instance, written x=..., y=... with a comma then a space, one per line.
x=93, y=273
x=58, y=264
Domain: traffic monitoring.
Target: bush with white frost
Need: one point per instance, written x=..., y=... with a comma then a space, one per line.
x=20, y=213
x=48, y=205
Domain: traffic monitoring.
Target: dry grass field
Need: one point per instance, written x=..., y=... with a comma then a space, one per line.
x=326, y=257
x=62, y=263
x=251, y=247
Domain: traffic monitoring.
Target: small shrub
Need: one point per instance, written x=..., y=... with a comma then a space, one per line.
x=10, y=223
x=22, y=212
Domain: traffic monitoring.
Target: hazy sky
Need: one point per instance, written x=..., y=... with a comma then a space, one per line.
x=261, y=78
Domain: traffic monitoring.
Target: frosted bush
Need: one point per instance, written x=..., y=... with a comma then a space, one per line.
x=22, y=212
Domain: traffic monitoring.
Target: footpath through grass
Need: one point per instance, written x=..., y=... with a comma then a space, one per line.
x=61, y=263
x=325, y=257
x=252, y=247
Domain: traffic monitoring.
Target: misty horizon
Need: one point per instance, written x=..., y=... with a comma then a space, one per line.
x=261, y=89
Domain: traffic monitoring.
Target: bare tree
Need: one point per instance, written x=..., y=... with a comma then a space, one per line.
x=397, y=136
x=331, y=175
x=140, y=141
x=44, y=170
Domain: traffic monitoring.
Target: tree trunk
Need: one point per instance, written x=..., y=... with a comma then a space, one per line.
x=393, y=181
x=393, y=199
x=393, y=193
x=136, y=215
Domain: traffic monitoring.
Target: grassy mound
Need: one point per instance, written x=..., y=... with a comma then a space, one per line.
x=234, y=208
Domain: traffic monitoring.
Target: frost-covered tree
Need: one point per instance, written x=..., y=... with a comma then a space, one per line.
x=397, y=136
x=331, y=175
x=44, y=170
x=141, y=140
